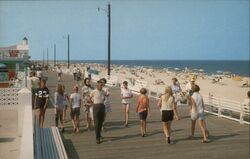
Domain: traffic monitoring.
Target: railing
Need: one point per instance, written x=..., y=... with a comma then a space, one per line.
x=228, y=109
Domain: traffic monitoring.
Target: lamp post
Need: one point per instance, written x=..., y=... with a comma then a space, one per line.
x=47, y=57
x=43, y=58
x=108, y=11
x=54, y=55
x=68, y=48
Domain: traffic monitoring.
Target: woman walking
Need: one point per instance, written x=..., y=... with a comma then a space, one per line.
x=41, y=101
x=197, y=112
x=143, y=110
x=75, y=103
x=59, y=107
x=98, y=98
x=167, y=106
x=126, y=95
x=65, y=102
x=86, y=91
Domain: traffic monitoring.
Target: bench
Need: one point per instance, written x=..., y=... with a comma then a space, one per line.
x=227, y=109
x=48, y=143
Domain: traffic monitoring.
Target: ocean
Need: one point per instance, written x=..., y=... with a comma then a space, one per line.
x=238, y=67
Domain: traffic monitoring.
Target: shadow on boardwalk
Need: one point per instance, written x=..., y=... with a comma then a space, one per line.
x=229, y=139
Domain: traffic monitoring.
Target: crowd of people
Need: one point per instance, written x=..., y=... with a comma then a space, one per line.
x=97, y=106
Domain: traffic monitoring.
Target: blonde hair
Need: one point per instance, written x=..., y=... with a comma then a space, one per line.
x=168, y=93
x=59, y=89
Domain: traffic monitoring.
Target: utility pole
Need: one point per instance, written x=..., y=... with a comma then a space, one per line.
x=43, y=58
x=47, y=57
x=109, y=37
x=54, y=55
x=68, y=51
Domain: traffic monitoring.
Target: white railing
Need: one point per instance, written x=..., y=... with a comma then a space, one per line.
x=228, y=109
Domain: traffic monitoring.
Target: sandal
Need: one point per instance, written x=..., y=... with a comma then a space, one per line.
x=204, y=141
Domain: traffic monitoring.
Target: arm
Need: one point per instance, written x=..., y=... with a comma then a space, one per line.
x=137, y=107
x=159, y=103
x=35, y=101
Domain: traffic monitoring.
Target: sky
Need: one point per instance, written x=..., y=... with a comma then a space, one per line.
x=140, y=29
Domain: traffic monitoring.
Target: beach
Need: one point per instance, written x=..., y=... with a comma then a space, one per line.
x=223, y=86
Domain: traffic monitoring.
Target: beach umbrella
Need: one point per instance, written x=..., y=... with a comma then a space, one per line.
x=219, y=72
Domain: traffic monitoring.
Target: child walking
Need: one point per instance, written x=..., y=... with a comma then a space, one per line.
x=143, y=110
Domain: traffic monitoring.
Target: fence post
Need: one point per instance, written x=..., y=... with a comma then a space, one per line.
x=241, y=113
x=219, y=109
x=24, y=99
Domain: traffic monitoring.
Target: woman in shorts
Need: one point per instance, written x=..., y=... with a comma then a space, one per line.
x=59, y=107
x=41, y=101
x=143, y=110
x=197, y=113
x=126, y=95
x=75, y=103
x=167, y=106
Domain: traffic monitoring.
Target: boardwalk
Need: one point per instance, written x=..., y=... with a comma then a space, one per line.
x=229, y=139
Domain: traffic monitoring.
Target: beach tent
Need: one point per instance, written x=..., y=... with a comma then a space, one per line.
x=237, y=78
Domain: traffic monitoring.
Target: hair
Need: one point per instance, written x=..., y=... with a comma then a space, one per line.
x=143, y=91
x=175, y=79
x=195, y=88
x=125, y=82
x=85, y=81
x=104, y=80
x=168, y=93
x=76, y=88
x=34, y=73
x=59, y=89
x=42, y=80
x=248, y=94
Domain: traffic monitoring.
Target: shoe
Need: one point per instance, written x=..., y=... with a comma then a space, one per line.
x=98, y=141
x=62, y=130
x=125, y=125
x=205, y=141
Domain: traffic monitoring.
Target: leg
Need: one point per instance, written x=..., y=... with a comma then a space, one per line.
x=96, y=110
x=126, y=114
x=39, y=111
x=77, y=123
x=56, y=117
x=141, y=128
x=164, y=126
x=203, y=129
x=193, y=122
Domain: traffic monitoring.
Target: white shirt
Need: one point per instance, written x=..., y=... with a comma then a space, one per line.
x=76, y=98
x=199, y=102
x=74, y=70
x=39, y=74
x=167, y=105
x=98, y=97
x=126, y=93
x=107, y=93
x=188, y=87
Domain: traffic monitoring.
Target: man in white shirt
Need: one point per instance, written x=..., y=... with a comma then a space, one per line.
x=75, y=103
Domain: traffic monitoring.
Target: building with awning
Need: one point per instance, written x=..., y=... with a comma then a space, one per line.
x=13, y=59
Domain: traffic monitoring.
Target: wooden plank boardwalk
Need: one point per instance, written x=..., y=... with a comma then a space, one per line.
x=229, y=139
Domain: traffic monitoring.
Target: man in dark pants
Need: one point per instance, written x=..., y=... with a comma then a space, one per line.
x=98, y=97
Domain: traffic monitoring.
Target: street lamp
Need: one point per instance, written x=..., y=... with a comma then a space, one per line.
x=108, y=12
x=68, y=48
x=54, y=55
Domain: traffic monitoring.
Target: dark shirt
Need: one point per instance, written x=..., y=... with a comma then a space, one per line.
x=42, y=94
